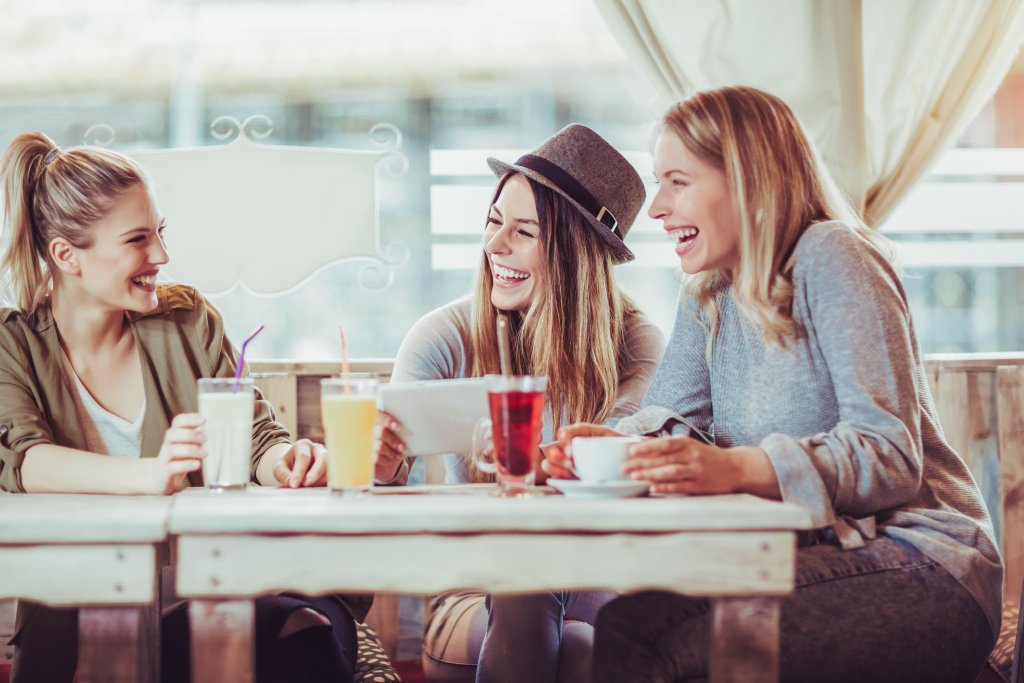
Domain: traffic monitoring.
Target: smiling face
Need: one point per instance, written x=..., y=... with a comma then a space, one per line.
x=512, y=244
x=695, y=206
x=118, y=270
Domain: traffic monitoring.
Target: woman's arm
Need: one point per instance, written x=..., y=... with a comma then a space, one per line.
x=859, y=318
x=429, y=351
x=678, y=400
x=645, y=346
x=47, y=468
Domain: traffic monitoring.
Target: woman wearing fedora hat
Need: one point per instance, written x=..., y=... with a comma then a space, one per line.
x=553, y=232
x=795, y=351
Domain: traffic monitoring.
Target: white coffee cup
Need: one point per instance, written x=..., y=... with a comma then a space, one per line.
x=600, y=458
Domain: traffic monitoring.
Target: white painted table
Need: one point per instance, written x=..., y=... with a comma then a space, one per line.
x=98, y=553
x=738, y=550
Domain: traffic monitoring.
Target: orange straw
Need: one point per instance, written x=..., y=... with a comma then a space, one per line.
x=347, y=387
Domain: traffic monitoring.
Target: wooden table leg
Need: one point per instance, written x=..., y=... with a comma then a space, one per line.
x=222, y=640
x=118, y=645
x=745, y=640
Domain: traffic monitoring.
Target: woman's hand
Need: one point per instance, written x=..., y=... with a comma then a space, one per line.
x=558, y=454
x=304, y=463
x=390, y=448
x=181, y=452
x=681, y=464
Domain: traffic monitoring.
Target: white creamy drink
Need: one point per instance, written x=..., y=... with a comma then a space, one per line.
x=228, y=430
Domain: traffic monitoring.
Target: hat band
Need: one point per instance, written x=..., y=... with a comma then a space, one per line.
x=567, y=184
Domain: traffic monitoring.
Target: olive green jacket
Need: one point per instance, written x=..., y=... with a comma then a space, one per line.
x=180, y=341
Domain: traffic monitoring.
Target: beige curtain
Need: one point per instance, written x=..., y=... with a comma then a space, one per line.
x=882, y=86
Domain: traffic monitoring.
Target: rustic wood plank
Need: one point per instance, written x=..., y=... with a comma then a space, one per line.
x=745, y=640
x=222, y=641
x=310, y=423
x=377, y=366
x=71, y=518
x=714, y=564
x=281, y=389
x=103, y=574
x=987, y=361
x=117, y=645
x=273, y=510
x=384, y=618
x=1010, y=406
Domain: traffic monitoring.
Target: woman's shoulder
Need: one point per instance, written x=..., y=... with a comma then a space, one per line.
x=453, y=318
x=641, y=331
x=436, y=345
x=829, y=247
x=174, y=298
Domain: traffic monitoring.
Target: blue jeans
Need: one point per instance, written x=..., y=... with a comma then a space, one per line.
x=880, y=613
x=524, y=637
x=538, y=638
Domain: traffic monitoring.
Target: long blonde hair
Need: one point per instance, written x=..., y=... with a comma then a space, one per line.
x=574, y=331
x=51, y=193
x=779, y=187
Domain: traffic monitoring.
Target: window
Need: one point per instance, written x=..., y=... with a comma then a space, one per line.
x=461, y=79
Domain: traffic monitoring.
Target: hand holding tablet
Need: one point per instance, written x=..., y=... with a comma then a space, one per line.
x=437, y=416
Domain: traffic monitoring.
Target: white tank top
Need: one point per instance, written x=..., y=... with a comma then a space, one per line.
x=105, y=432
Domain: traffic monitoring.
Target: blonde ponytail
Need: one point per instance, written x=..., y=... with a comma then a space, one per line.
x=51, y=193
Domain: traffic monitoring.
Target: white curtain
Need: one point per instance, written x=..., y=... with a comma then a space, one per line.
x=882, y=86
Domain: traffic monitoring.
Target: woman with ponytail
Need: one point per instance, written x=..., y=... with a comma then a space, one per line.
x=98, y=370
x=553, y=232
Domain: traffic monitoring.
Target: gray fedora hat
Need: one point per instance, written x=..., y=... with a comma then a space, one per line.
x=580, y=165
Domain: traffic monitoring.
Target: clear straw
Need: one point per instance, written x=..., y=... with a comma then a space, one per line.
x=504, y=354
x=241, y=356
x=346, y=386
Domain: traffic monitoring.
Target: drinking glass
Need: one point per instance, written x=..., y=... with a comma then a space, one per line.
x=349, y=409
x=228, y=406
x=513, y=431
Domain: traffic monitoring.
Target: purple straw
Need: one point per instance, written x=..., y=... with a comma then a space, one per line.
x=241, y=357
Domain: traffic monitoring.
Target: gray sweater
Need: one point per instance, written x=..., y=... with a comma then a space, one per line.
x=436, y=348
x=845, y=413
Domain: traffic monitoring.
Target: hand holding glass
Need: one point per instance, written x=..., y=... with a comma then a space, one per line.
x=228, y=406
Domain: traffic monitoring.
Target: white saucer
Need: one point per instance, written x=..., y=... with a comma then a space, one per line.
x=623, y=488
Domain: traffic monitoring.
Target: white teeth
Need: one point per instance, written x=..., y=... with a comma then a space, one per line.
x=509, y=273
x=683, y=234
x=146, y=280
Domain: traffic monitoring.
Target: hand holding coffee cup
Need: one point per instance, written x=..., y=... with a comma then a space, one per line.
x=558, y=454
x=600, y=459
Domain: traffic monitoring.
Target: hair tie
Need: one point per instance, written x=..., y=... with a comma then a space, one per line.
x=51, y=155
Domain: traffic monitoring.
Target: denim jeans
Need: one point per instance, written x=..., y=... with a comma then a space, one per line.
x=538, y=638
x=880, y=613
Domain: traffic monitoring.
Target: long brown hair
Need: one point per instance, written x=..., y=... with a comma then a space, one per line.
x=779, y=186
x=574, y=331
x=52, y=193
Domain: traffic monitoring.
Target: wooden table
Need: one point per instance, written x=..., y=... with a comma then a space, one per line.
x=739, y=550
x=99, y=553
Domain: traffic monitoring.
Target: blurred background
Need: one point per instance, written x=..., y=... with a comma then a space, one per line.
x=462, y=80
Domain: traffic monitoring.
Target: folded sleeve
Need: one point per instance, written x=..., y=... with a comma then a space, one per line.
x=22, y=422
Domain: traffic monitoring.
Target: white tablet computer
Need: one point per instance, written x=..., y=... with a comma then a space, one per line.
x=437, y=416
